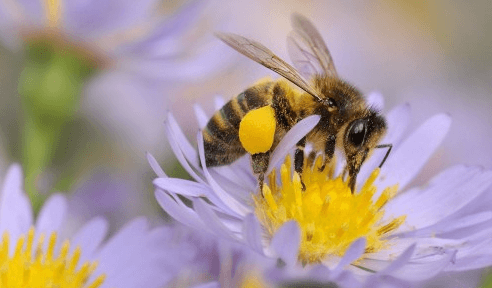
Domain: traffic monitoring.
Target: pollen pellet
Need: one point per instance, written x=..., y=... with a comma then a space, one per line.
x=257, y=129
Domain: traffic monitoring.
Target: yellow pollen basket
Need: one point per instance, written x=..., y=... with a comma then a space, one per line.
x=331, y=218
x=38, y=268
x=257, y=130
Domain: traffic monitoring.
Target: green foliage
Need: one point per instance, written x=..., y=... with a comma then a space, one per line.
x=487, y=282
x=49, y=86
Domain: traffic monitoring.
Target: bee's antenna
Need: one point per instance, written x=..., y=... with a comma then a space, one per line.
x=389, y=146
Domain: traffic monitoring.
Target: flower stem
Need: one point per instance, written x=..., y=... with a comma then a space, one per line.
x=49, y=86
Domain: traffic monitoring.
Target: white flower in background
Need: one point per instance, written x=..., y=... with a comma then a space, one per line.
x=39, y=254
x=385, y=230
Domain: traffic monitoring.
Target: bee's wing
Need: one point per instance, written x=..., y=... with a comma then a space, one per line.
x=265, y=57
x=308, y=50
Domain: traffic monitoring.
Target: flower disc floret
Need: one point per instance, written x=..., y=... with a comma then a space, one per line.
x=330, y=216
x=31, y=266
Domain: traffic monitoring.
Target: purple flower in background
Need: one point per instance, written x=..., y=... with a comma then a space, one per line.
x=385, y=231
x=135, y=47
x=125, y=34
x=38, y=253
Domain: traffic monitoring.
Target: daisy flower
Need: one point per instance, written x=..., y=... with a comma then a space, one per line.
x=222, y=263
x=134, y=36
x=385, y=230
x=113, y=52
x=41, y=254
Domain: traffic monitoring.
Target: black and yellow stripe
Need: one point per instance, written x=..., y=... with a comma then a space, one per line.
x=221, y=135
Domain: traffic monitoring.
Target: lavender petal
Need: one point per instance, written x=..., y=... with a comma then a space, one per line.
x=285, y=243
x=413, y=153
x=252, y=233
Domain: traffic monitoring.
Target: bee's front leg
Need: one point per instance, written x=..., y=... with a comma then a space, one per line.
x=329, y=151
x=299, y=159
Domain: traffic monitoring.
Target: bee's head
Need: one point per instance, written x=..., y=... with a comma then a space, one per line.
x=361, y=136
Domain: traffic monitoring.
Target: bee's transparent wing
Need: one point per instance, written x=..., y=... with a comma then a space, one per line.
x=308, y=50
x=267, y=58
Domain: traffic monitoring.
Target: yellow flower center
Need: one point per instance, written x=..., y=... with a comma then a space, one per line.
x=331, y=218
x=252, y=279
x=53, y=13
x=38, y=268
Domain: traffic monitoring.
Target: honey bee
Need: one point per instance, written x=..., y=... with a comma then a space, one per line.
x=346, y=121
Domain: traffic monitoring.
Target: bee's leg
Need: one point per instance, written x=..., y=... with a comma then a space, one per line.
x=299, y=159
x=329, y=151
x=261, y=179
x=260, y=166
x=310, y=159
x=389, y=146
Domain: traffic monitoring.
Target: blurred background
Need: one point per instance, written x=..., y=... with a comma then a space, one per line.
x=434, y=55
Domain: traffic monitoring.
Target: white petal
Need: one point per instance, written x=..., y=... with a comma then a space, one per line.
x=478, y=221
x=285, y=242
x=185, y=146
x=241, y=193
x=232, y=204
x=155, y=165
x=425, y=248
x=182, y=187
x=15, y=209
x=353, y=253
x=422, y=271
x=218, y=102
x=252, y=233
x=291, y=138
x=397, y=119
x=172, y=132
x=208, y=285
x=446, y=193
x=414, y=152
x=471, y=263
x=236, y=176
x=52, y=214
x=399, y=262
x=201, y=117
x=210, y=219
x=90, y=237
x=375, y=100
x=120, y=253
x=178, y=210
x=476, y=235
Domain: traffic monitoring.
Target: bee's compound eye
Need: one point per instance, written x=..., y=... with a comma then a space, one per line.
x=357, y=132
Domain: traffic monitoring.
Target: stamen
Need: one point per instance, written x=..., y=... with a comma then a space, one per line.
x=39, y=269
x=330, y=216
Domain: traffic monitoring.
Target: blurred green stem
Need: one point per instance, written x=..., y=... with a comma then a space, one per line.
x=49, y=86
x=487, y=281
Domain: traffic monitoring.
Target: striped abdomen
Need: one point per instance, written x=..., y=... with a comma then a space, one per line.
x=221, y=135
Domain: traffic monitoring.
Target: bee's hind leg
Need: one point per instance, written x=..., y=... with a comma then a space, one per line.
x=260, y=163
